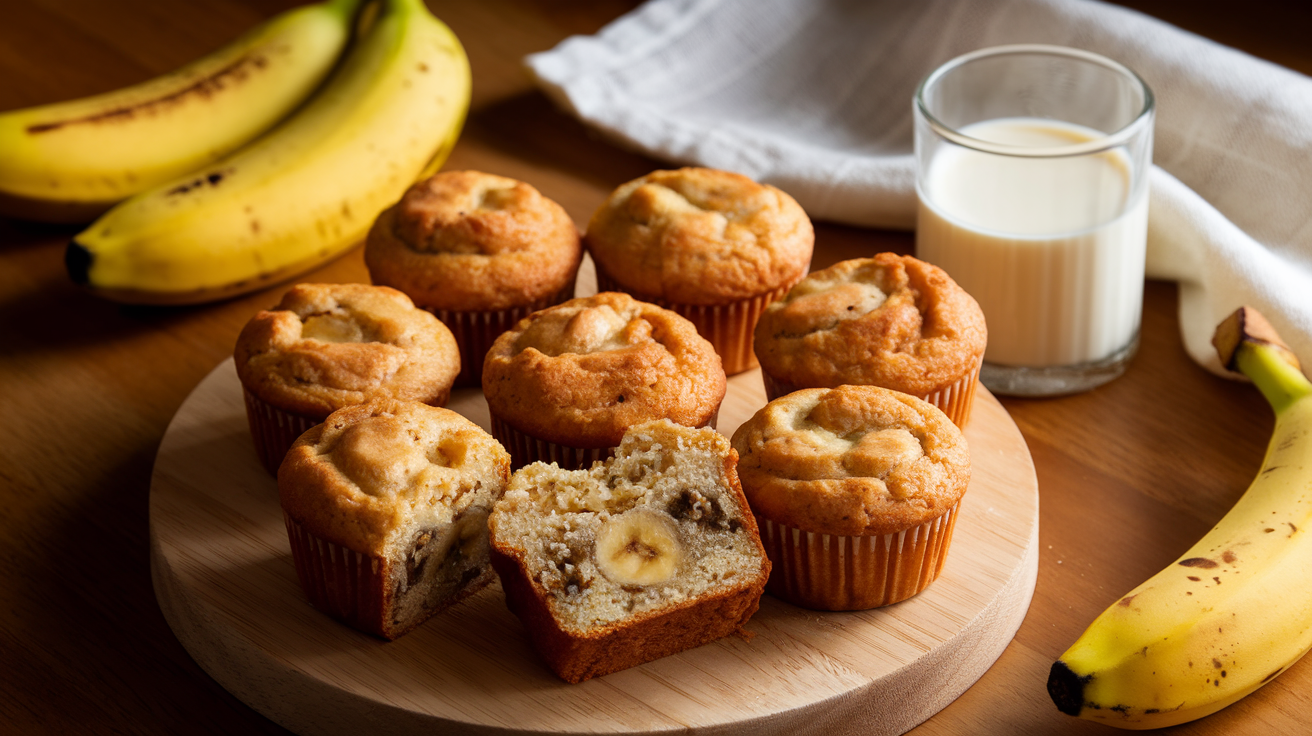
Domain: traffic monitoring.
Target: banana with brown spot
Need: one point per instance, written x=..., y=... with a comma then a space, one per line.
x=71, y=161
x=304, y=193
x=1235, y=610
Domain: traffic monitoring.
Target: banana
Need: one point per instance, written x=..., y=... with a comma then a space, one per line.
x=71, y=161
x=1236, y=609
x=638, y=547
x=302, y=194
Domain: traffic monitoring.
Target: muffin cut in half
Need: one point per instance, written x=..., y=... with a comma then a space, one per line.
x=386, y=508
x=647, y=554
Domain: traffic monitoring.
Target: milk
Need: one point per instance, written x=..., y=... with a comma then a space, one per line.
x=1051, y=248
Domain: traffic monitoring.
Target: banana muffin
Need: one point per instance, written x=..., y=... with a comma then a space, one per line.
x=326, y=346
x=566, y=382
x=650, y=553
x=386, y=508
x=480, y=251
x=856, y=491
x=892, y=321
x=714, y=246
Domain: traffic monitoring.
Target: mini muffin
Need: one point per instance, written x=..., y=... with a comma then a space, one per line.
x=386, y=508
x=856, y=490
x=714, y=246
x=326, y=346
x=566, y=382
x=891, y=321
x=480, y=251
x=650, y=553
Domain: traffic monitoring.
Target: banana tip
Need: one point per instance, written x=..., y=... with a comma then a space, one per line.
x=1246, y=324
x=1066, y=688
x=77, y=259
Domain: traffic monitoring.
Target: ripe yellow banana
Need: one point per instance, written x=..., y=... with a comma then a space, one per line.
x=71, y=161
x=302, y=194
x=1236, y=609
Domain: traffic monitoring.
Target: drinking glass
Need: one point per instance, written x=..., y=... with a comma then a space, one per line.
x=1032, y=175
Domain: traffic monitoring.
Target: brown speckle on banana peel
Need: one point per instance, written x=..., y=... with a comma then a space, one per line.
x=1248, y=325
x=237, y=72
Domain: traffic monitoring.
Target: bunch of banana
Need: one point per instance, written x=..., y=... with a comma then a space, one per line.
x=303, y=193
x=71, y=161
x=1236, y=609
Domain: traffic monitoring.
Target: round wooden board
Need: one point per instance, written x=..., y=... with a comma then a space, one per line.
x=223, y=575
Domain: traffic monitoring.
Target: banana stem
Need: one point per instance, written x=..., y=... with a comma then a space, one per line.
x=1280, y=382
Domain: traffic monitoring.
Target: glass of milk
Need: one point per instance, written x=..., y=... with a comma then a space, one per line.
x=1032, y=173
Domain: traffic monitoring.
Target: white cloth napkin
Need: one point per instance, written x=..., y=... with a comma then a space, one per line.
x=814, y=96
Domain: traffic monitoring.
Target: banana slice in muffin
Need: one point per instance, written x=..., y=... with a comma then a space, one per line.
x=649, y=553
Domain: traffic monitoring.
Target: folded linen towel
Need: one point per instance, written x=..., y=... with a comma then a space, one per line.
x=814, y=96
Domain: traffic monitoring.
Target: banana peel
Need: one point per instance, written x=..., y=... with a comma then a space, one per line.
x=301, y=195
x=1235, y=610
x=71, y=161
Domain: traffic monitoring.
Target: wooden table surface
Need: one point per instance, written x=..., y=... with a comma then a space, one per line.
x=1130, y=474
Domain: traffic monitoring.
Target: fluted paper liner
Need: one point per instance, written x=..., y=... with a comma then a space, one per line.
x=525, y=449
x=341, y=582
x=476, y=330
x=839, y=573
x=728, y=327
x=955, y=399
x=273, y=430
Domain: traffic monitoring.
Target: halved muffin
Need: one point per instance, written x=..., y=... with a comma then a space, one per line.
x=386, y=508
x=649, y=553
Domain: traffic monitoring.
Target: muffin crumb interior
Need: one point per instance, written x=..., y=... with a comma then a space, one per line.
x=656, y=525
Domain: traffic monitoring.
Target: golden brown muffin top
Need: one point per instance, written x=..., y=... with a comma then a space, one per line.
x=700, y=236
x=326, y=346
x=851, y=461
x=469, y=241
x=891, y=320
x=582, y=372
x=374, y=474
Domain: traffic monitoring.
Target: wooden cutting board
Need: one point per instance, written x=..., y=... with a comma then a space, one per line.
x=223, y=575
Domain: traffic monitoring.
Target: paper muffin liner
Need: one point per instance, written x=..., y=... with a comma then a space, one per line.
x=273, y=430
x=341, y=582
x=728, y=327
x=476, y=330
x=837, y=573
x=955, y=399
x=525, y=449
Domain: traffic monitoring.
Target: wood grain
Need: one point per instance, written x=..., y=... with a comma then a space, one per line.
x=223, y=575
